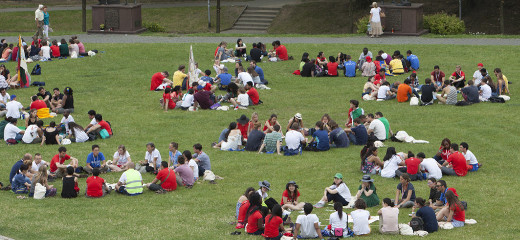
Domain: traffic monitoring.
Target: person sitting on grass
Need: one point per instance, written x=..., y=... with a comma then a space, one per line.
x=131, y=182
x=290, y=197
x=180, y=78
x=370, y=88
x=338, y=137
x=204, y=98
x=337, y=192
x=255, y=138
x=120, y=160
x=457, y=78
x=470, y=93
x=427, y=214
x=96, y=159
x=471, y=160
x=454, y=213
x=388, y=218
x=167, y=178
x=406, y=189
x=367, y=191
x=412, y=168
x=242, y=206
x=358, y=134
x=294, y=140
x=173, y=155
x=77, y=134
x=58, y=167
x=223, y=79
x=502, y=82
x=254, y=98
x=255, y=221
x=332, y=67
x=371, y=164
x=160, y=81
x=272, y=141
x=307, y=225
x=21, y=183
x=428, y=92
x=70, y=187
x=184, y=174
x=232, y=139
x=12, y=134
x=188, y=99
x=274, y=223
x=396, y=66
x=384, y=93
x=96, y=186
x=320, y=138
x=201, y=158
x=240, y=48
x=456, y=164
x=485, y=90
x=413, y=60
x=101, y=126
x=279, y=51
x=167, y=100
x=51, y=135
x=33, y=133
x=449, y=94
x=360, y=218
x=152, y=159
x=438, y=77
x=368, y=68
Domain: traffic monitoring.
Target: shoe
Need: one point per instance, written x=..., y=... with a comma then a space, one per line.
x=83, y=176
x=161, y=191
x=286, y=213
x=319, y=205
x=236, y=233
x=479, y=165
x=213, y=144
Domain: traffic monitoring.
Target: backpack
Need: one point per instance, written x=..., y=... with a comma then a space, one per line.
x=416, y=223
x=270, y=202
x=37, y=70
x=494, y=99
x=462, y=103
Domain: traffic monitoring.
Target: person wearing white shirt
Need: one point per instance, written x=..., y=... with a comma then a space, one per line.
x=33, y=133
x=477, y=76
x=152, y=159
x=13, y=108
x=4, y=97
x=384, y=92
x=187, y=100
x=243, y=77
x=38, y=162
x=338, y=219
x=192, y=164
x=243, y=99
x=92, y=117
x=485, y=91
x=338, y=192
x=12, y=132
x=38, y=17
x=431, y=166
x=294, y=138
x=471, y=160
x=67, y=118
x=392, y=161
x=360, y=217
x=308, y=225
x=377, y=127
x=45, y=50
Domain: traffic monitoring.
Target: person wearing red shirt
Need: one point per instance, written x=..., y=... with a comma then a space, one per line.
x=101, y=125
x=253, y=93
x=255, y=221
x=167, y=178
x=168, y=102
x=438, y=77
x=412, y=167
x=456, y=163
x=458, y=77
x=158, y=79
x=96, y=186
x=14, y=53
x=280, y=51
x=37, y=104
x=380, y=77
x=454, y=212
x=243, y=125
x=55, y=49
x=274, y=223
x=58, y=165
x=332, y=67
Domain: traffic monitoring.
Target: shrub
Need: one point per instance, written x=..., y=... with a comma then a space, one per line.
x=154, y=27
x=361, y=25
x=444, y=24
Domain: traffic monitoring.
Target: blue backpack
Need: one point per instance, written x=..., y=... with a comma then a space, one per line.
x=37, y=70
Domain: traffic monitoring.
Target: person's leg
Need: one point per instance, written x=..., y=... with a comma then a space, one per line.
x=415, y=93
x=352, y=138
x=381, y=224
x=18, y=137
x=178, y=179
x=441, y=99
x=407, y=204
x=444, y=212
x=201, y=171
x=448, y=171
x=115, y=168
x=88, y=170
x=154, y=187
x=400, y=171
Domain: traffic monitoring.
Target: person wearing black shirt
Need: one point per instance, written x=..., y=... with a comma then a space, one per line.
x=428, y=89
x=435, y=195
x=470, y=93
x=45, y=95
x=255, y=53
x=308, y=68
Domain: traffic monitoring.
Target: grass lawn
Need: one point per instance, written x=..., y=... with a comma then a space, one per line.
x=116, y=83
x=178, y=20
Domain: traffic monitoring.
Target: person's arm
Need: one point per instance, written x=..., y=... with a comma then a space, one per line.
x=58, y=139
x=408, y=196
x=358, y=194
x=278, y=147
x=281, y=228
x=88, y=166
x=450, y=215
x=43, y=140
x=261, y=148
x=153, y=163
x=165, y=103
x=380, y=212
x=297, y=230
x=396, y=198
x=166, y=80
x=93, y=128
x=331, y=191
x=367, y=193
x=155, y=180
x=284, y=199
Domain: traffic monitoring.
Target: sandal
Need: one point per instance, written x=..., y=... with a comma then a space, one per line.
x=236, y=233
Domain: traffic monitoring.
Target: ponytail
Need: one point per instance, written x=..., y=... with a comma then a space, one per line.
x=339, y=208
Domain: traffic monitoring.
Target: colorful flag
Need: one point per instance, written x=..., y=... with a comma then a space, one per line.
x=22, y=64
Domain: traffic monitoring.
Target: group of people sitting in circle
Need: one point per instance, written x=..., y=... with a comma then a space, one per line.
x=43, y=50
x=257, y=52
x=259, y=214
x=36, y=132
x=180, y=169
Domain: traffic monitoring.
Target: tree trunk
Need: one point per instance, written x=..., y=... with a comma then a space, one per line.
x=502, y=30
x=351, y=16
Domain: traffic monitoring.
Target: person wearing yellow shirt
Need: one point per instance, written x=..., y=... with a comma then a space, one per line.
x=396, y=66
x=180, y=78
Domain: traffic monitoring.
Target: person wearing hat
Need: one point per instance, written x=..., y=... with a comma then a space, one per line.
x=13, y=108
x=290, y=197
x=367, y=191
x=477, y=76
x=337, y=192
x=296, y=119
x=243, y=125
x=368, y=68
x=38, y=17
x=265, y=187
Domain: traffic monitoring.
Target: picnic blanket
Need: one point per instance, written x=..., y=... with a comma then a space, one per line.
x=44, y=113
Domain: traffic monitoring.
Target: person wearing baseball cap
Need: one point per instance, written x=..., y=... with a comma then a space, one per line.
x=477, y=76
x=337, y=192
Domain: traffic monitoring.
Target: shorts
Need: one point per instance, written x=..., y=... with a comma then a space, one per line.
x=475, y=167
x=184, y=108
x=457, y=223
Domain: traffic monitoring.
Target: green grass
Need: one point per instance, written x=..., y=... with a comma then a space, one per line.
x=116, y=83
x=179, y=20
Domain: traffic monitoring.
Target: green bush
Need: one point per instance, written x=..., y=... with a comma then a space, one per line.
x=444, y=24
x=154, y=27
x=362, y=23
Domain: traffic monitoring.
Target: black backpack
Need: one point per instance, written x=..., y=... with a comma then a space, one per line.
x=496, y=100
x=416, y=223
x=37, y=70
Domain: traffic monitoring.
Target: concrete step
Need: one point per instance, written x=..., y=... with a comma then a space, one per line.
x=264, y=8
x=269, y=16
x=252, y=24
x=248, y=28
x=261, y=11
x=263, y=20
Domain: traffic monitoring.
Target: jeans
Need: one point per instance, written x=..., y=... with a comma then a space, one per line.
x=448, y=171
x=352, y=138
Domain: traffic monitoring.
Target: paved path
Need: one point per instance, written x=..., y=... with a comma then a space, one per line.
x=254, y=3
x=116, y=38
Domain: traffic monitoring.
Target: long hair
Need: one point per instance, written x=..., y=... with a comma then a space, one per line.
x=41, y=175
x=232, y=126
x=453, y=200
x=390, y=152
x=255, y=201
x=276, y=211
x=292, y=195
x=339, y=208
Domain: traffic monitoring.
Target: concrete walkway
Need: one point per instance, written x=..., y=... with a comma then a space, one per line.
x=254, y=3
x=393, y=40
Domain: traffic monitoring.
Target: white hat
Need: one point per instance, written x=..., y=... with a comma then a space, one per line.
x=384, y=55
x=40, y=6
x=298, y=116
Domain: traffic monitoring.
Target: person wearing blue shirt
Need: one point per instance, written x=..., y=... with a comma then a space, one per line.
x=206, y=77
x=321, y=137
x=443, y=188
x=358, y=134
x=338, y=137
x=174, y=154
x=260, y=72
x=21, y=183
x=413, y=60
x=45, y=22
x=27, y=160
x=223, y=79
x=96, y=159
x=348, y=66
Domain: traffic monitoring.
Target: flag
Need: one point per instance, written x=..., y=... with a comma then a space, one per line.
x=22, y=64
x=192, y=69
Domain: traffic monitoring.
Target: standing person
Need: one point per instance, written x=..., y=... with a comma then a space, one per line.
x=337, y=192
x=407, y=192
x=39, y=17
x=375, y=21
x=367, y=191
x=427, y=214
x=201, y=158
x=45, y=24
x=360, y=217
x=131, y=182
x=307, y=226
x=95, y=159
x=167, y=178
x=388, y=218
